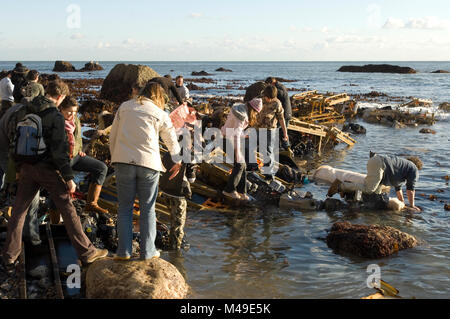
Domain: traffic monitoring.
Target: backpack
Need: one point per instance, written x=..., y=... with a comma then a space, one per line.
x=28, y=143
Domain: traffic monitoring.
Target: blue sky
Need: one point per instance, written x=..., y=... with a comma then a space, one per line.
x=283, y=30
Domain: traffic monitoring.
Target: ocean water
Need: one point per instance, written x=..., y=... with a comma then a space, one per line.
x=281, y=254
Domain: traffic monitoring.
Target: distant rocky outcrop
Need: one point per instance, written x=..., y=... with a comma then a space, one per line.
x=440, y=71
x=91, y=66
x=223, y=70
x=150, y=279
x=445, y=106
x=254, y=90
x=201, y=73
x=63, y=66
x=118, y=85
x=368, y=241
x=377, y=68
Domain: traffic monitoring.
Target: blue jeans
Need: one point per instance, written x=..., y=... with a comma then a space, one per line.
x=132, y=180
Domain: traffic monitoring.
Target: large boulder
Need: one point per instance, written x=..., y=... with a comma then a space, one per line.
x=368, y=241
x=63, y=66
x=150, y=279
x=118, y=85
x=254, y=90
x=91, y=66
x=377, y=68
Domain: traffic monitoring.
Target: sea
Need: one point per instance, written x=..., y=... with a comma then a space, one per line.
x=282, y=253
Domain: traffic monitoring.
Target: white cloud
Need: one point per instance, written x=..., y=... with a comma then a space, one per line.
x=393, y=23
x=425, y=23
x=102, y=45
x=195, y=15
x=325, y=30
x=76, y=36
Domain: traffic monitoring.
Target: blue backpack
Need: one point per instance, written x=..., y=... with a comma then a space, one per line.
x=29, y=144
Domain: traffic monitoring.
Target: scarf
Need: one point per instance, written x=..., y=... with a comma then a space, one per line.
x=70, y=129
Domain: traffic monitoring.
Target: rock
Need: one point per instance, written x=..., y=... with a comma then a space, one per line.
x=151, y=279
x=91, y=66
x=201, y=73
x=91, y=109
x=397, y=124
x=440, y=71
x=373, y=241
x=354, y=128
x=445, y=106
x=63, y=66
x=45, y=283
x=333, y=204
x=39, y=272
x=118, y=85
x=193, y=87
x=377, y=68
x=254, y=90
x=427, y=131
x=447, y=207
x=223, y=70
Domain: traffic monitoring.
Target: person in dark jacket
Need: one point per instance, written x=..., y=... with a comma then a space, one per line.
x=19, y=79
x=168, y=86
x=31, y=229
x=52, y=173
x=175, y=191
x=283, y=96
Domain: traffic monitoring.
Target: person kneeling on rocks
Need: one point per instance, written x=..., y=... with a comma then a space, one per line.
x=386, y=170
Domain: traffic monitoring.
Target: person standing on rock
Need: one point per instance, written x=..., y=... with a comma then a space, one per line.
x=31, y=88
x=181, y=88
x=79, y=161
x=134, y=146
x=388, y=170
x=270, y=116
x=6, y=93
x=283, y=96
x=169, y=87
x=240, y=117
x=52, y=172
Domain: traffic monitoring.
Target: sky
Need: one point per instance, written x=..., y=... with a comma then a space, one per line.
x=232, y=30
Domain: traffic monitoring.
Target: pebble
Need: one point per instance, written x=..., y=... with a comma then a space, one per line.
x=39, y=272
x=45, y=283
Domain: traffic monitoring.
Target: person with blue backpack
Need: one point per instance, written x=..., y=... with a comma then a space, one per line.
x=41, y=153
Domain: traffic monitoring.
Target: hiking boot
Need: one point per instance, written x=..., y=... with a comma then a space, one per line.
x=119, y=258
x=92, y=198
x=244, y=197
x=99, y=254
x=334, y=188
x=7, y=266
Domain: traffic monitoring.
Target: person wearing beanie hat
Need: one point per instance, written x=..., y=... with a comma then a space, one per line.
x=240, y=117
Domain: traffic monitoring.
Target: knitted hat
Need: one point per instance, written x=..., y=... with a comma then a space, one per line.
x=256, y=104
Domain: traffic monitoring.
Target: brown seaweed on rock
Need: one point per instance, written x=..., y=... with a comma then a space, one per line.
x=373, y=241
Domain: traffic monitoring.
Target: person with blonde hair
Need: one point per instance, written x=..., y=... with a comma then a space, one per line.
x=134, y=146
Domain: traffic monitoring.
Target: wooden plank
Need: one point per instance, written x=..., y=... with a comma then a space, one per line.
x=22, y=275
x=54, y=260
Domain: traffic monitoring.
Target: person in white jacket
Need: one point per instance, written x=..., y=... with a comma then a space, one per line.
x=134, y=146
x=6, y=93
